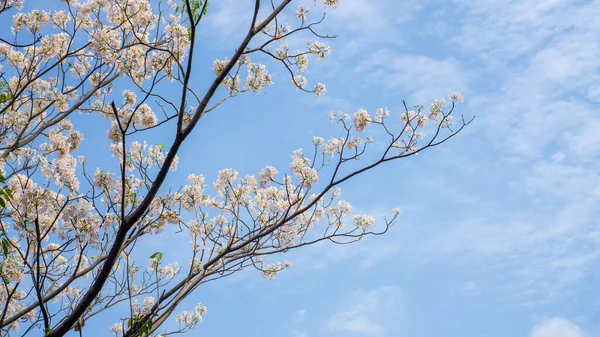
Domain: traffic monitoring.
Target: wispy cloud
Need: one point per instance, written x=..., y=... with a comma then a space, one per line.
x=422, y=76
x=365, y=312
x=531, y=68
x=299, y=334
x=556, y=327
x=353, y=321
x=299, y=315
x=373, y=23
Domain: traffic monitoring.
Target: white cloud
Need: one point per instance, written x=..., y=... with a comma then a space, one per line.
x=424, y=77
x=299, y=334
x=374, y=21
x=535, y=60
x=299, y=315
x=365, y=255
x=470, y=289
x=529, y=71
x=532, y=70
x=543, y=251
x=366, y=312
x=500, y=30
x=226, y=22
x=556, y=327
x=586, y=141
x=355, y=322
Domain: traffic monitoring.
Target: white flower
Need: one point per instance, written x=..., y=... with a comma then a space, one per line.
x=320, y=89
x=364, y=222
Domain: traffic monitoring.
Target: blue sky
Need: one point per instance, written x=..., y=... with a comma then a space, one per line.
x=499, y=233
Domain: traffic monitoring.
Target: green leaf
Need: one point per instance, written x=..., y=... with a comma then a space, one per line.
x=5, y=247
x=5, y=93
x=2, y=203
x=158, y=256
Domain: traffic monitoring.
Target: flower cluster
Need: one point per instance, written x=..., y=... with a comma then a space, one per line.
x=189, y=319
x=361, y=119
x=33, y=21
x=258, y=77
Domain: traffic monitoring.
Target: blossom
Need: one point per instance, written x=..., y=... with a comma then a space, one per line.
x=105, y=42
x=12, y=270
x=232, y=83
x=338, y=117
x=435, y=110
x=302, y=62
x=447, y=122
x=456, y=97
x=344, y=207
x=60, y=19
x=51, y=247
x=381, y=114
x=331, y=3
x=319, y=49
x=267, y=175
x=353, y=142
x=224, y=180
x=145, y=116
x=169, y=270
x=299, y=81
x=333, y=146
x=174, y=163
x=196, y=266
x=270, y=271
x=363, y=222
x=258, y=77
x=302, y=13
x=407, y=117
x=191, y=319
x=361, y=119
x=219, y=66
x=148, y=303
x=32, y=21
x=282, y=30
x=117, y=329
x=320, y=89
x=13, y=3
x=301, y=168
x=129, y=97
x=153, y=265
